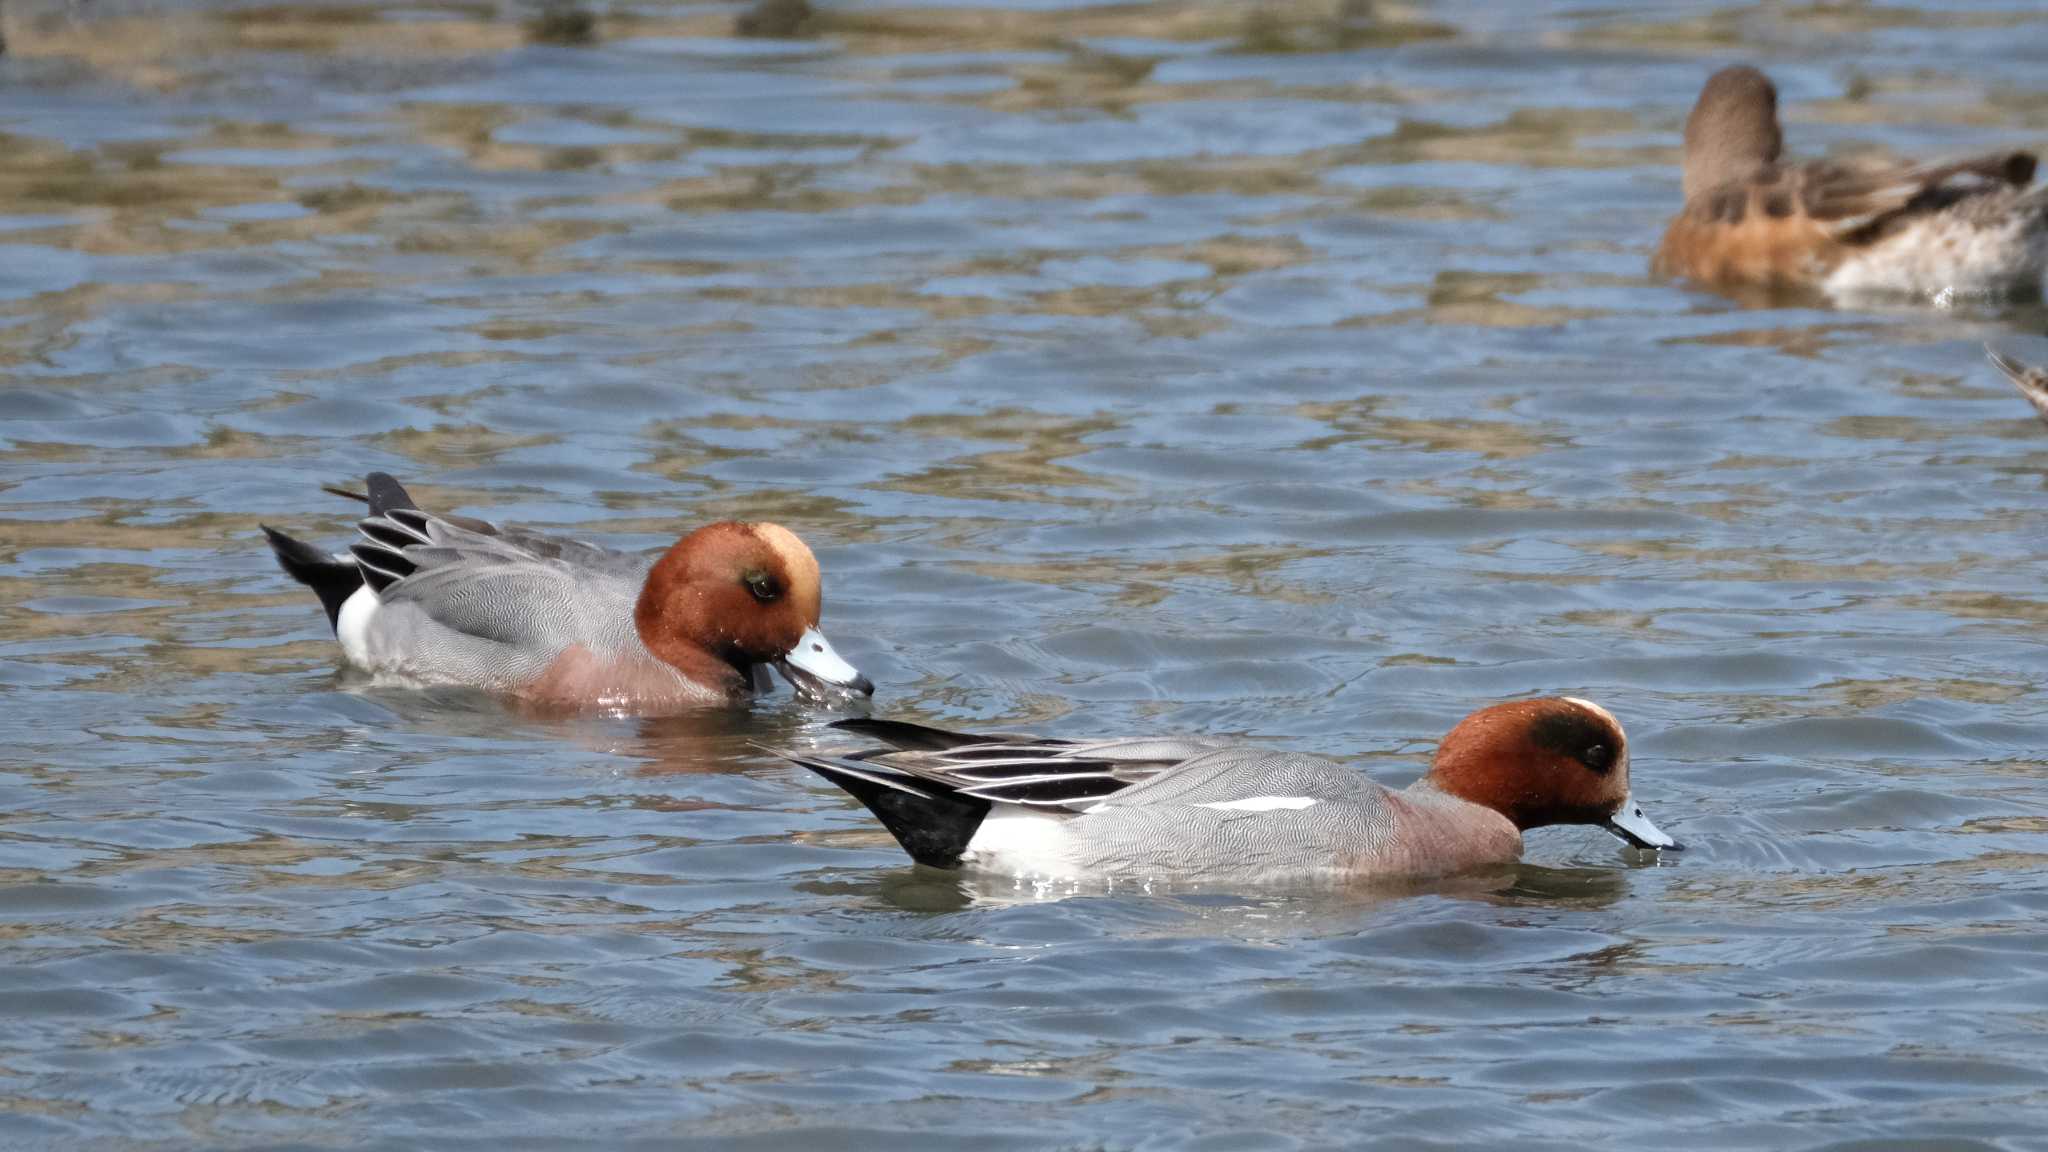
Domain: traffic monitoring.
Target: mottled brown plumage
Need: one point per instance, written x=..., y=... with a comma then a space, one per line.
x=1750, y=218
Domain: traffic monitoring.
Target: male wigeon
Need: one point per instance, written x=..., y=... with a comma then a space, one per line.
x=1968, y=226
x=452, y=600
x=2031, y=381
x=1197, y=810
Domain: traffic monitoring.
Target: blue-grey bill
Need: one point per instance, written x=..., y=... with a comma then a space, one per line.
x=1629, y=823
x=815, y=670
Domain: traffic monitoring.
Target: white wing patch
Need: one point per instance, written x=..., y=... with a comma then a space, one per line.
x=1262, y=803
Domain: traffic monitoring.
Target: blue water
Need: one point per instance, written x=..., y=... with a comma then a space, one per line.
x=1163, y=368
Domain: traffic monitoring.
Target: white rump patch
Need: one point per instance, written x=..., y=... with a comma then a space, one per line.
x=352, y=625
x=1021, y=841
x=1262, y=803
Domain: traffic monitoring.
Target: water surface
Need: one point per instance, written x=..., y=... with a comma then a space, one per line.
x=1166, y=368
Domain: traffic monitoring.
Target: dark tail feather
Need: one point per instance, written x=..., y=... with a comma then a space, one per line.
x=933, y=825
x=2018, y=169
x=330, y=579
x=386, y=493
x=2014, y=168
x=910, y=737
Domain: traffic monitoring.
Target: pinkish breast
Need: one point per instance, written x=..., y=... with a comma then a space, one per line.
x=579, y=678
x=1437, y=834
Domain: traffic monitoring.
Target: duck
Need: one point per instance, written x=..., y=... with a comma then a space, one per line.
x=1165, y=810
x=425, y=599
x=2031, y=381
x=1968, y=227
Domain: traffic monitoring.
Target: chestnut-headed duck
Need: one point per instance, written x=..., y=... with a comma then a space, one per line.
x=1171, y=809
x=432, y=599
x=2031, y=381
x=1968, y=227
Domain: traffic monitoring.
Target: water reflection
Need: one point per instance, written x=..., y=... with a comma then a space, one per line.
x=1313, y=910
x=1287, y=374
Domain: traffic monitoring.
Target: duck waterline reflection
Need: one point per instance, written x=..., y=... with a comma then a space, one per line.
x=1290, y=377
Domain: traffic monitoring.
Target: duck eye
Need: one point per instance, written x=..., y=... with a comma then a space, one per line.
x=762, y=586
x=1597, y=757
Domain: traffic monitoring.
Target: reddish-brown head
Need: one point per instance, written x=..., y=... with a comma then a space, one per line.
x=1732, y=133
x=1557, y=760
x=732, y=595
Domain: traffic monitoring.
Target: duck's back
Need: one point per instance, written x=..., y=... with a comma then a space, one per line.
x=1251, y=815
x=497, y=609
x=1968, y=226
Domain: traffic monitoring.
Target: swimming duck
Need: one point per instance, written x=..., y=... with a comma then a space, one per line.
x=1967, y=226
x=430, y=599
x=1164, y=809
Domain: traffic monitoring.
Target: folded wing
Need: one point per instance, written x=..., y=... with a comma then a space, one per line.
x=1859, y=204
x=529, y=591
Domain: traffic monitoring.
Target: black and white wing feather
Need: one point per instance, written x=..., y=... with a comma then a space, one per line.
x=1037, y=772
x=470, y=597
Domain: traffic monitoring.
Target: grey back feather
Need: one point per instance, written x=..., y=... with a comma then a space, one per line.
x=482, y=604
x=1163, y=827
x=1239, y=773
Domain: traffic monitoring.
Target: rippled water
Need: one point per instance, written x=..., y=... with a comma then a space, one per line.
x=1188, y=368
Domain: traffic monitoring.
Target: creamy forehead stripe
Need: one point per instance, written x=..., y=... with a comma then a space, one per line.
x=796, y=557
x=1261, y=803
x=1595, y=709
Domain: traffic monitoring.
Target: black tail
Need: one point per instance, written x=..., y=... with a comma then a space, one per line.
x=933, y=823
x=332, y=580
